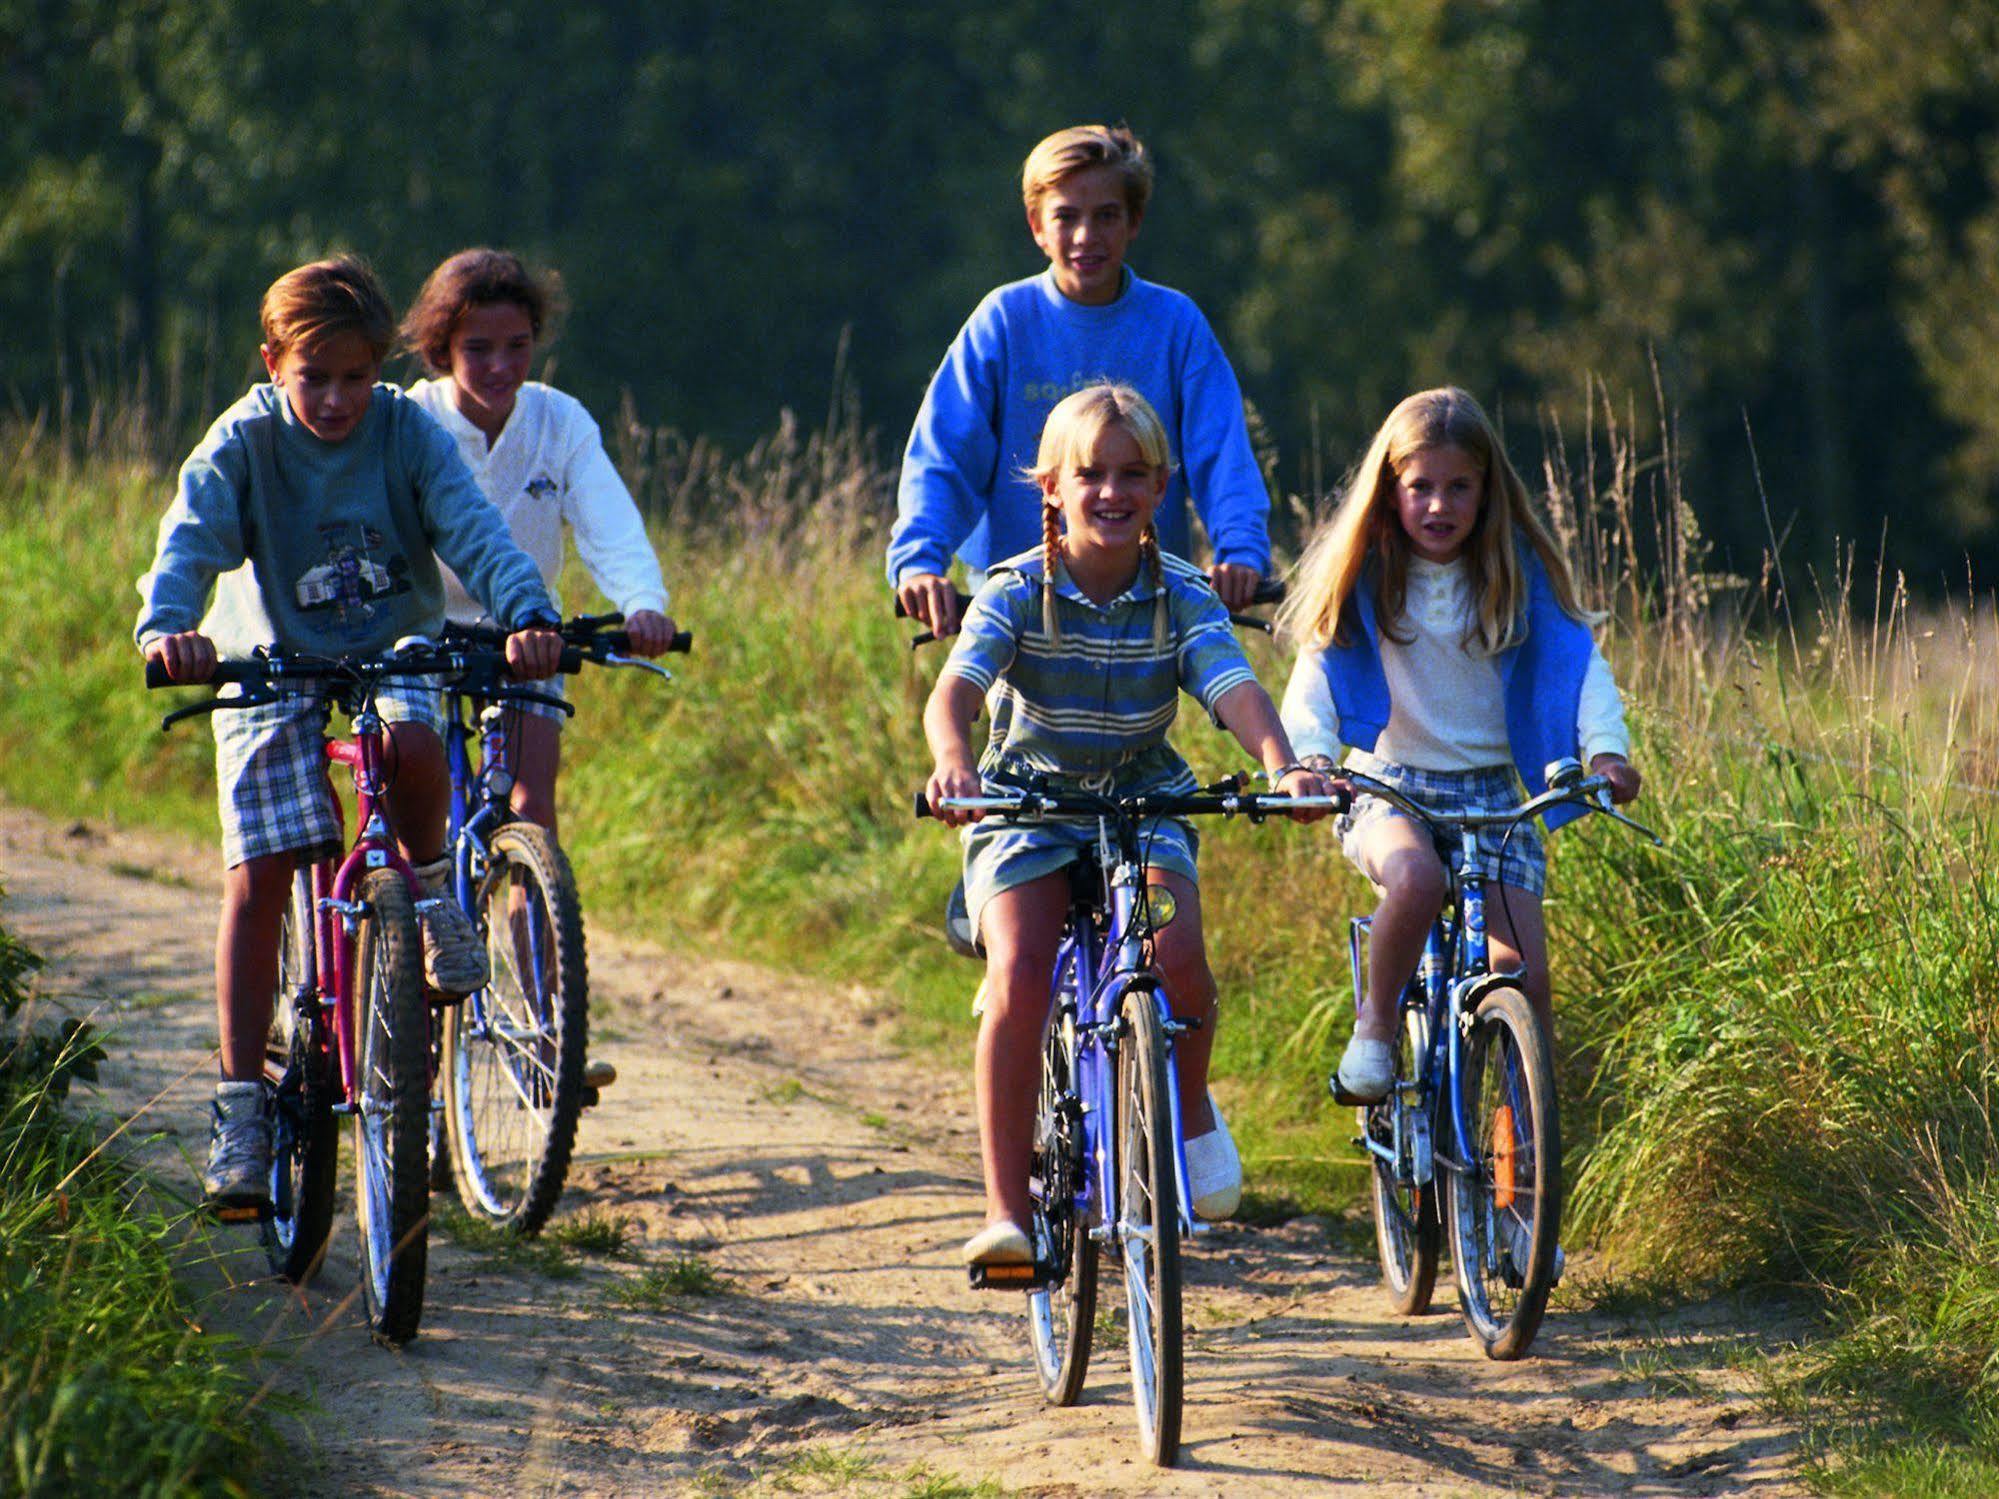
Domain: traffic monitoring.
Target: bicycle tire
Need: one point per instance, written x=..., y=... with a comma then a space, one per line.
x=392, y=1117
x=305, y=1143
x=1149, y=1227
x=1506, y=1210
x=1062, y=1317
x=514, y=1052
x=1408, y=1227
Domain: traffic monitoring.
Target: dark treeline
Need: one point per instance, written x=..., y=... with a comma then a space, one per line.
x=1781, y=209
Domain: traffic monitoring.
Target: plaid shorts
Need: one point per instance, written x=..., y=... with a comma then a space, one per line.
x=271, y=784
x=1522, y=862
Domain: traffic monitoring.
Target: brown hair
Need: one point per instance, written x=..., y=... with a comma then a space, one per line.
x=336, y=295
x=476, y=278
x=1081, y=147
x=1366, y=533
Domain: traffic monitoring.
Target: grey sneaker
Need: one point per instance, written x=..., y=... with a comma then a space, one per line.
x=454, y=956
x=237, y=1182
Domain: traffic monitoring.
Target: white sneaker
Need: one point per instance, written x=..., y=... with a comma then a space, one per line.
x=1001, y=1243
x=237, y=1181
x=1214, y=1170
x=454, y=955
x=1366, y=1070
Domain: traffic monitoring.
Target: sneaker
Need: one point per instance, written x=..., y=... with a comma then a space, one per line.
x=598, y=1073
x=237, y=1182
x=1214, y=1170
x=1001, y=1243
x=454, y=955
x=1366, y=1070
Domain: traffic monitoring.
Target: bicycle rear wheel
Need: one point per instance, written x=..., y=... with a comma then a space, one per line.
x=514, y=1051
x=1149, y=1226
x=392, y=1117
x=305, y=1147
x=1062, y=1317
x=1408, y=1232
x=1506, y=1209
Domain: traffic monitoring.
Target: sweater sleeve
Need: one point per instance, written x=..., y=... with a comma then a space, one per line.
x=1310, y=717
x=610, y=534
x=201, y=536
x=465, y=528
x=1222, y=475
x=952, y=459
x=1600, y=714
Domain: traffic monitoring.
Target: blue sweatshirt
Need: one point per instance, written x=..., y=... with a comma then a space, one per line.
x=1024, y=349
x=327, y=547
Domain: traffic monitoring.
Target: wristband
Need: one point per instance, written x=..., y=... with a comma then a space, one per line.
x=1274, y=776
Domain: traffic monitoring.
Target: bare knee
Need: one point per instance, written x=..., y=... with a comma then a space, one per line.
x=258, y=887
x=1182, y=960
x=1413, y=880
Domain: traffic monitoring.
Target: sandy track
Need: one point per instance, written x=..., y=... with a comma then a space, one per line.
x=763, y=1126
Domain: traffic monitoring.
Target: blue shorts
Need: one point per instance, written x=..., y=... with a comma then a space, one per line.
x=1515, y=856
x=271, y=772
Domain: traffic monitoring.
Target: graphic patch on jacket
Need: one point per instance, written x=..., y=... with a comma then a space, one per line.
x=540, y=487
x=349, y=582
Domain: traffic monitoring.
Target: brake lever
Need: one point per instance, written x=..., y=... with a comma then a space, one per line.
x=612, y=658
x=216, y=705
x=1636, y=827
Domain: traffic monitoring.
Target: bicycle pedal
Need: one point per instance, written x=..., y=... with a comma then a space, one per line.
x=240, y=1212
x=1348, y=1100
x=1029, y=1277
x=598, y=1074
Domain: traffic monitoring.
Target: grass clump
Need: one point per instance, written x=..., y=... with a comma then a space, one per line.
x=499, y=1247
x=654, y=1287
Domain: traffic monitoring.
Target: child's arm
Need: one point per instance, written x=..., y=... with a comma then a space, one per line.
x=1310, y=716
x=980, y=655
x=1246, y=711
x=948, y=471
x=1222, y=473
x=200, y=538
x=1600, y=730
x=611, y=535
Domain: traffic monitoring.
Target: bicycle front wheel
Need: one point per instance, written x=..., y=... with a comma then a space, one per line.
x=1061, y=1317
x=514, y=1051
x=1149, y=1226
x=305, y=1146
x=392, y=1113
x=1506, y=1208
x=1408, y=1231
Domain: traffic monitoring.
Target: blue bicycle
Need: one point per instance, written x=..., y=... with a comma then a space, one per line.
x=1109, y=1165
x=1474, y=1095
x=511, y=1060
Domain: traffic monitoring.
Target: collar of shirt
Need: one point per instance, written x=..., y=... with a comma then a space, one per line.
x=1141, y=590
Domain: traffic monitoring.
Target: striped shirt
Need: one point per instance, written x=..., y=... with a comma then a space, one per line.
x=1103, y=695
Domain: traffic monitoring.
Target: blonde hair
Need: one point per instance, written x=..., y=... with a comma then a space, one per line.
x=1081, y=147
x=1068, y=438
x=337, y=295
x=1366, y=535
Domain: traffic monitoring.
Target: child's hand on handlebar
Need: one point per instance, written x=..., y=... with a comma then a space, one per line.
x=953, y=780
x=187, y=657
x=649, y=631
x=932, y=599
x=534, y=653
x=1622, y=775
x=1303, y=782
x=1234, y=583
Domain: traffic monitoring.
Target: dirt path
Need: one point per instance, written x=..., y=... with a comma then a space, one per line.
x=763, y=1129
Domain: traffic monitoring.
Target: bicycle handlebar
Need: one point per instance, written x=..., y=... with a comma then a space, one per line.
x=590, y=633
x=1039, y=804
x=1268, y=591
x=1587, y=793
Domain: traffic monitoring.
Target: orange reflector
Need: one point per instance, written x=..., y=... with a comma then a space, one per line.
x=1502, y=1156
x=1007, y=1275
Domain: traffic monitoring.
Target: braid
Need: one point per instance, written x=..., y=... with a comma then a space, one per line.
x=1149, y=549
x=1051, y=558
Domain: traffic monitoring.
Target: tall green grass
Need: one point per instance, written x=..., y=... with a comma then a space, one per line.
x=1776, y=1030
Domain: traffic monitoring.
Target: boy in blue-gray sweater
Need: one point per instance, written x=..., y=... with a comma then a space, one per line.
x=315, y=508
x=1085, y=319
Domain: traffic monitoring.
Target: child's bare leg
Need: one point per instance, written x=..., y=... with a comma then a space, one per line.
x=1022, y=929
x=1403, y=863
x=254, y=894
x=535, y=749
x=1182, y=955
x=419, y=788
x=1521, y=942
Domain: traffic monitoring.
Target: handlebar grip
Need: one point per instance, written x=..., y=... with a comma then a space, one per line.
x=922, y=805
x=571, y=662
x=1269, y=591
x=225, y=671
x=964, y=603
x=682, y=642
x=1344, y=801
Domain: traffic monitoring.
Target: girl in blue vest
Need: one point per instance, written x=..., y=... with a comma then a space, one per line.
x=1443, y=646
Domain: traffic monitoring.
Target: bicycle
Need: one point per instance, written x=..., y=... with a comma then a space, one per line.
x=350, y=1031
x=1109, y=1164
x=1474, y=1069
x=512, y=1054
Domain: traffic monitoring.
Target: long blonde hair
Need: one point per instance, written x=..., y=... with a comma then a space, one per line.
x=1068, y=438
x=1366, y=534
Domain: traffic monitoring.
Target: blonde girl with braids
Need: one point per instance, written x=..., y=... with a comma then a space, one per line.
x=1081, y=649
x=1441, y=643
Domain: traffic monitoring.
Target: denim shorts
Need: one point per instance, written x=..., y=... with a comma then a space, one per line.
x=1513, y=856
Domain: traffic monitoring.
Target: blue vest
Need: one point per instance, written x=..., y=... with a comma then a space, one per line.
x=1542, y=679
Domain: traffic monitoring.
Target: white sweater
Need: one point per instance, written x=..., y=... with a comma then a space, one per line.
x=549, y=466
x=1446, y=707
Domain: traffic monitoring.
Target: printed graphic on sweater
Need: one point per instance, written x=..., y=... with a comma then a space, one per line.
x=350, y=581
x=541, y=487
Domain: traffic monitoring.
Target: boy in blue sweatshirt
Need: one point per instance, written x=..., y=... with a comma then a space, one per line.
x=321, y=502
x=1086, y=318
